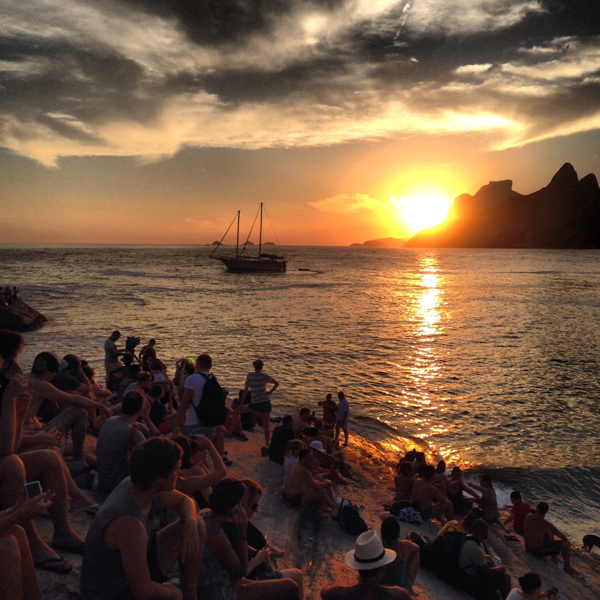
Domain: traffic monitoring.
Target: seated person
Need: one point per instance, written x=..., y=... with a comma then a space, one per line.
x=161, y=413
x=418, y=462
x=333, y=468
x=257, y=541
x=428, y=499
x=518, y=512
x=440, y=478
x=196, y=480
x=116, y=376
x=329, y=409
x=369, y=558
x=404, y=482
x=456, y=488
x=117, y=439
x=131, y=377
x=477, y=572
x=540, y=537
x=488, y=501
x=280, y=437
x=18, y=579
x=124, y=557
x=530, y=588
x=302, y=420
x=293, y=451
x=403, y=571
x=463, y=526
x=225, y=564
x=302, y=488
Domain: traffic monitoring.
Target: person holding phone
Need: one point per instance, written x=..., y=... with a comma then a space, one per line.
x=18, y=580
x=531, y=588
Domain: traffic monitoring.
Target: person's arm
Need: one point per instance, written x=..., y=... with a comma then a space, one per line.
x=10, y=431
x=313, y=483
x=236, y=559
x=275, y=386
x=185, y=508
x=100, y=392
x=197, y=483
x=263, y=555
x=47, y=390
x=24, y=511
x=128, y=535
x=147, y=420
x=183, y=406
x=557, y=532
x=244, y=395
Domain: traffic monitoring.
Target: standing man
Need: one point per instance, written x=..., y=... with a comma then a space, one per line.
x=187, y=420
x=112, y=353
x=260, y=401
x=342, y=417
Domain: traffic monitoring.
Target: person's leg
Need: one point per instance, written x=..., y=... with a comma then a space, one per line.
x=236, y=422
x=411, y=554
x=273, y=589
x=11, y=585
x=73, y=419
x=219, y=439
x=337, y=430
x=28, y=574
x=345, y=430
x=45, y=466
x=266, y=423
x=566, y=555
x=168, y=547
x=12, y=482
x=297, y=577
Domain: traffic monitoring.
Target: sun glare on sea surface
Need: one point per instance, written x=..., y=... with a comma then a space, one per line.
x=424, y=210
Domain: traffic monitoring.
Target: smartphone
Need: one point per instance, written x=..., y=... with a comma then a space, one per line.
x=33, y=489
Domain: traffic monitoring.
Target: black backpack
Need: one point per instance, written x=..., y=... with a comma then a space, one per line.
x=211, y=410
x=350, y=519
x=445, y=554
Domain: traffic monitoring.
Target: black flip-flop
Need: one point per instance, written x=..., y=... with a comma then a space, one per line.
x=54, y=565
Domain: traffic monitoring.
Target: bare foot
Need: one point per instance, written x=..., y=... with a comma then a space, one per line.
x=571, y=571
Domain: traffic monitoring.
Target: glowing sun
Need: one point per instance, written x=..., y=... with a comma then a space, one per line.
x=424, y=210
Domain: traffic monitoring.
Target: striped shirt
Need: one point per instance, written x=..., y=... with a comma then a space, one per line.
x=257, y=382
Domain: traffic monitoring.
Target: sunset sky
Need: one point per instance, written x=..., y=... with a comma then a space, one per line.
x=153, y=121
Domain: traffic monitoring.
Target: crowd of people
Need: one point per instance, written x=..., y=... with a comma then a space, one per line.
x=160, y=458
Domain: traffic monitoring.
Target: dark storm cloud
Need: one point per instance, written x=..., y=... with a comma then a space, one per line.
x=146, y=77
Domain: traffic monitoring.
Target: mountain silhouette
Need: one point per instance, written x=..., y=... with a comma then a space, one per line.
x=564, y=214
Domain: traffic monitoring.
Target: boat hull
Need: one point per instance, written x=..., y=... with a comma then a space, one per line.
x=254, y=265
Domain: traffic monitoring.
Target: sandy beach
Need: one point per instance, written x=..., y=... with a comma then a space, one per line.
x=317, y=547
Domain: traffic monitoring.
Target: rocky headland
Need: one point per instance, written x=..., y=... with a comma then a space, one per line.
x=564, y=214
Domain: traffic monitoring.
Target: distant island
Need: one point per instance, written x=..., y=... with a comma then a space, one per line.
x=382, y=243
x=564, y=214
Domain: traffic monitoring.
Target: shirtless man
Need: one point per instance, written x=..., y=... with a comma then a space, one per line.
x=429, y=498
x=74, y=419
x=540, y=537
x=302, y=488
x=404, y=482
x=301, y=420
x=369, y=558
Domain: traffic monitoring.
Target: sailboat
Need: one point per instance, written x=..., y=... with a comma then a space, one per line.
x=241, y=263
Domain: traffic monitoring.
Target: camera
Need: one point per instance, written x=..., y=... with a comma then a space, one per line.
x=131, y=343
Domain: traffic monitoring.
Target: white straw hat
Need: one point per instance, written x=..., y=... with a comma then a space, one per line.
x=369, y=553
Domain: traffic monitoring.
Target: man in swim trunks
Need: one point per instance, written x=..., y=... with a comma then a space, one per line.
x=302, y=488
x=342, y=417
x=429, y=499
x=540, y=537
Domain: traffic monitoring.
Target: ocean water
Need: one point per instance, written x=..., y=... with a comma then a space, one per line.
x=488, y=358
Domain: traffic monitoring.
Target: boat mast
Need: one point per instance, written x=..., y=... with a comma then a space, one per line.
x=237, y=239
x=260, y=235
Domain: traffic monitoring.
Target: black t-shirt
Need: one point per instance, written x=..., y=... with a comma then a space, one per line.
x=65, y=382
x=279, y=440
